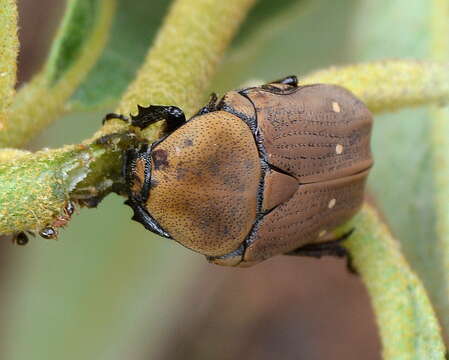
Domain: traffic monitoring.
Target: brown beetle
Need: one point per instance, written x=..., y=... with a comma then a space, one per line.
x=267, y=170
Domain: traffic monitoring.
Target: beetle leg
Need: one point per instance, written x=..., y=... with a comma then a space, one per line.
x=328, y=248
x=282, y=86
x=174, y=117
x=142, y=216
x=210, y=106
x=111, y=116
x=291, y=80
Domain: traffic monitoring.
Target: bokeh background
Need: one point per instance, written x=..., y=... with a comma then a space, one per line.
x=108, y=289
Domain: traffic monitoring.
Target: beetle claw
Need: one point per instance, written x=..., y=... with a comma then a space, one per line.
x=174, y=117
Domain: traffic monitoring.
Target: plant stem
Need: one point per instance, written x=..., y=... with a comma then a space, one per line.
x=9, y=45
x=407, y=323
x=391, y=84
x=440, y=157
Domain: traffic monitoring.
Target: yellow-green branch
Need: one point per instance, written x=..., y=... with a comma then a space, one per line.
x=9, y=46
x=407, y=323
x=390, y=85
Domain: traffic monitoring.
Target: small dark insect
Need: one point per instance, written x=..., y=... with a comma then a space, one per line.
x=70, y=208
x=48, y=233
x=65, y=217
x=267, y=170
x=20, y=239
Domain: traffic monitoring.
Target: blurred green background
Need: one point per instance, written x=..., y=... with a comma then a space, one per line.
x=108, y=289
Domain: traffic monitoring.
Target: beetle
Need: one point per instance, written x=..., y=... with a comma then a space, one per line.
x=267, y=170
x=20, y=238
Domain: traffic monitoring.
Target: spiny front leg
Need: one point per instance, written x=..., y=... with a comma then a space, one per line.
x=174, y=117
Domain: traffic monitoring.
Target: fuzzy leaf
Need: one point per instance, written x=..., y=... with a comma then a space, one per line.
x=76, y=27
x=290, y=42
x=9, y=46
x=133, y=30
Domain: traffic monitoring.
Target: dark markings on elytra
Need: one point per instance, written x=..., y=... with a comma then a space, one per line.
x=160, y=158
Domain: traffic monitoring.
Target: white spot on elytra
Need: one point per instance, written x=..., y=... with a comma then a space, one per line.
x=336, y=106
x=332, y=203
x=339, y=149
x=322, y=233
